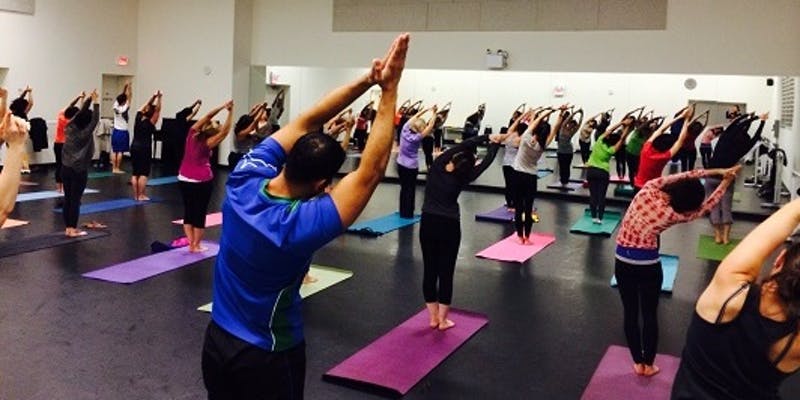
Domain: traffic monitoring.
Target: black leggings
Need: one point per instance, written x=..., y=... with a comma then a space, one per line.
x=360, y=136
x=57, y=150
x=524, y=194
x=586, y=150
x=440, y=238
x=74, y=185
x=633, y=166
x=705, y=155
x=688, y=158
x=235, y=369
x=196, y=196
x=508, y=176
x=639, y=288
x=427, y=149
x=564, y=165
x=598, y=185
x=408, y=190
x=619, y=157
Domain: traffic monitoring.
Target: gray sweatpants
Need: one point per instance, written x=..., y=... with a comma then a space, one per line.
x=721, y=213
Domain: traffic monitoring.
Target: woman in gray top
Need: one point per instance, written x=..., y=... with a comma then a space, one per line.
x=76, y=157
x=565, y=150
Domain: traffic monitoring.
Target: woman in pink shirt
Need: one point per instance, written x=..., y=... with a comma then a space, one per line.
x=195, y=175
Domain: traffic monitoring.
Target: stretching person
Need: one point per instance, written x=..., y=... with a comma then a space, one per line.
x=76, y=157
x=433, y=142
x=362, y=126
x=408, y=160
x=13, y=132
x=175, y=138
x=688, y=152
x=472, y=125
x=659, y=149
x=58, y=144
x=706, y=138
x=440, y=227
x=565, y=151
x=120, y=138
x=742, y=338
x=195, y=177
x=510, y=139
x=733, y=144
x=608, y=144
x=662, y=203
x=620, y=157
x=276, y=209
x=20, y=107
x=142, y=147
x=531, y=147
x=585, y=138
x=244, y=132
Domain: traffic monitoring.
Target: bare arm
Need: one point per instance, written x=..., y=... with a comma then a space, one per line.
x=207, y=118
x=663, y=128
x=76, y=100
x=195, y=109
x=353, y=192
x=156, y=108
x=3, y=107
x=14, y=133
x=215, y=140
x=687, y=115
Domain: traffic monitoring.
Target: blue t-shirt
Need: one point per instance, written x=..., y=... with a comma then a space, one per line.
x=266, y=248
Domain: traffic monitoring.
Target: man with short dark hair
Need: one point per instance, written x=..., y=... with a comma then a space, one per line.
x=276, y=216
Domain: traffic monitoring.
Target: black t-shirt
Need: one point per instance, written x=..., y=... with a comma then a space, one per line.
x=143, y=131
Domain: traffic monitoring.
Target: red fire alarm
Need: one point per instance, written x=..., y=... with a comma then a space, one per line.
x=122, y=61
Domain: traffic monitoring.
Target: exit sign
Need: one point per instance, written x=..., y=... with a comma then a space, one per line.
x=122, y=60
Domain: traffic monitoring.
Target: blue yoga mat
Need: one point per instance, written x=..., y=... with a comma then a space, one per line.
x=109, y=205
x=164, y=180
x=100, y=174
x=382, y=225
x=542, y=173
x=669, y=264
x=46, y=194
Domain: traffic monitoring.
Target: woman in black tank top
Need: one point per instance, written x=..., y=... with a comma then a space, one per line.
x=741, y=340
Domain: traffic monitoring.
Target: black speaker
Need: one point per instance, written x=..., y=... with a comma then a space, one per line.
x=770, y=81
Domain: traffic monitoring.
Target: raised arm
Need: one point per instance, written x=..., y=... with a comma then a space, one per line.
x=664, y=126
x=215, y=140
x=156, y=108
x=95, y=112
x=626, y=129
x=75, y=100
x=149, y=103
x=757, y=137
x=704, y=116
x=579, y=121
x=195, y=108
x=353, y=192
x=687, y=115
x=557, y=126
x=13, y=132
x=28, y=95
x=3, y=107
x=207, y=118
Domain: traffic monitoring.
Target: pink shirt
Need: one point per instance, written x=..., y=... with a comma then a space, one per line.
x=196, y=163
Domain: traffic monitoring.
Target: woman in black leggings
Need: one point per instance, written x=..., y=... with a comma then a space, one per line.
x=433, y=142
x=440, y=229
x=608, y=144
x=76, y=157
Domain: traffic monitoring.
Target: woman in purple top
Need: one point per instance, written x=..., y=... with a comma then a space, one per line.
x=407, y=159
x=195, y=175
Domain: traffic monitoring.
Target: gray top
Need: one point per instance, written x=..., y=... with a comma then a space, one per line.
x=564, y=141
x=586, y=134
x=528, y=155
x=79, y=146
x=510, y=152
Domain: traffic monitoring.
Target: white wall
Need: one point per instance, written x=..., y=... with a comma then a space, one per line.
x=757, y=37
x=64, y=48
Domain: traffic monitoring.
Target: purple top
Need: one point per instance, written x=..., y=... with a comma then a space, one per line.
x=409, y=147
x=195, y=164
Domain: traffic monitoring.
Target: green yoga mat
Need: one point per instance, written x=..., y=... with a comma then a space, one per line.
x=708, y=250
x=326, y=277
x=585, y=225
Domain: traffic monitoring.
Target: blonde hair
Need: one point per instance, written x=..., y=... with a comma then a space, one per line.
x=209, y=129
x=418, y=125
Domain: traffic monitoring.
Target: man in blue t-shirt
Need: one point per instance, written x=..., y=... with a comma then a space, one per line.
x=276, y=215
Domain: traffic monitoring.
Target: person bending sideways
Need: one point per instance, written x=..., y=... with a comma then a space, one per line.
x=742, y=339
x=660, y=148
x=662, y=203
x=277, y=215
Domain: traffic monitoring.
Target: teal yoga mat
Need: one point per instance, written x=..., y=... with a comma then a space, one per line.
x=382, y=225
x=46, y=194
x=669, y=264
x=585, y=225
x=101, y=174
x=110, y=205
x=164, y=180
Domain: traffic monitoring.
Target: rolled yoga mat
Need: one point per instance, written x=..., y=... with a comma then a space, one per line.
x=382, y=225
x=585, y=225
x=570, y=186
x=211, y=220
x=614, y=378
x=511, y=250
x=708, y=250
x=326, y=277
x=164, y=180
x=46, y=241
x=46, y=194
x=152, y=265
x=110, y=205
x=398, y=360
x=13, y=223
x=669, y=265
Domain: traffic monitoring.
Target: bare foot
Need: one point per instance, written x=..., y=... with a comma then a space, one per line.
x=434, y=322
x=638, y=369
x=650, y=370
x=309, y=279
x=197, y=249
x=77, y=233
x=446, y=324
x=143, y=198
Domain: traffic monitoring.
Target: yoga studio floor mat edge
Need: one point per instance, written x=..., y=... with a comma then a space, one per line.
x=382, y=225
x=395, y=362
x=45, y=241
x=614, y=378
x=151, y=265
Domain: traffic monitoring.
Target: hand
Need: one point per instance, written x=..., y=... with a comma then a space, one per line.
x=434, y=108
x=82, y=94
x=94, y=96
x=494, y=138
x=158, y=93
x=764, y=116
x=198, y=102
x=14, y=130
x=731, y=172
x=387, y=72
x=228, y=105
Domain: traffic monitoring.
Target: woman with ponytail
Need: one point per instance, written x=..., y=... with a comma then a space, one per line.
x=741, y=342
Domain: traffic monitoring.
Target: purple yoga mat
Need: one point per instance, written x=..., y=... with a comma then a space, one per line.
x=510, y=249
x=614, y=378
x=402, y=357
x=500, y=214
x=152, y=265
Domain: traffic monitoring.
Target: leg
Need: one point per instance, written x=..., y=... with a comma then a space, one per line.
x=519, y=200
x=198, y=217
x=187, y=193
x=586, y=150
x=633, y=166
x=649, y=292
x=508, y=176
x=142, y=187
x=217, y=381
x=601, y=195
x=627, y=283
x=57, y=151
x=66, y=210
x=407, y=186
x=527, y=204
x=446, y=268
x=692, y=159
x=726, y=206
x=592, y=176
x=564, y=162
x=428, y=238
x=427, y=149
x=619, y=157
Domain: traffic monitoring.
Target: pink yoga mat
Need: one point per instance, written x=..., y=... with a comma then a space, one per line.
x=211, y=220
x=402, y=357
x=510, y=249
x=614, y=378
x=12, y=223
